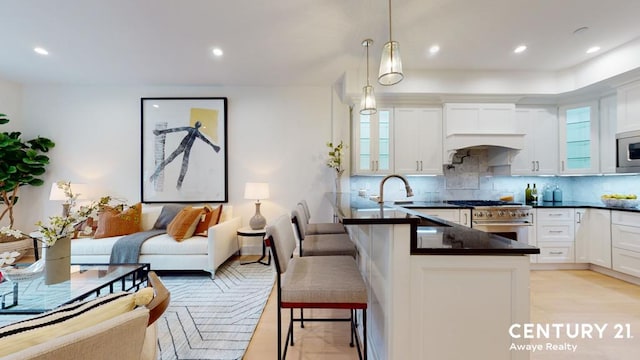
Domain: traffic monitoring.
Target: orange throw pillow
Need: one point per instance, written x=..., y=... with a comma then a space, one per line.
x=113, y=222
x=183, y=226
x=210, y=218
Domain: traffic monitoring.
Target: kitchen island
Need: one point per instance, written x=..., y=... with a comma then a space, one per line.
x=437, y=290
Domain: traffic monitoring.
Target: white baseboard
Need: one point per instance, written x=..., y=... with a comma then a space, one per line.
x=583, y=266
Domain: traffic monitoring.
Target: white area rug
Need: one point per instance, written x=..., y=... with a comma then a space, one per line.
x=214, y=319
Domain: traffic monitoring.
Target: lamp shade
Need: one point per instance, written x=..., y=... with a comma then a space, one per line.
x=256, y=191
x=368, y=102
x=78, y=189
x=390, y=64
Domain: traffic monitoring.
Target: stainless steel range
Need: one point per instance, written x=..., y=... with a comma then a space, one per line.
x=507, y=219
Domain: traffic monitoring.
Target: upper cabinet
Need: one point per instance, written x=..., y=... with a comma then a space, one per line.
x=579, y=139
x=418, y=141
x=479, y=119
x=539, y=155
x=629, y=107
x=608, y=128
x=373, y=139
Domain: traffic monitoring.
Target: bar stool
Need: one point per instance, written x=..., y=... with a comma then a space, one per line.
x=319, y=228
x=320, y=244
x=315, y=282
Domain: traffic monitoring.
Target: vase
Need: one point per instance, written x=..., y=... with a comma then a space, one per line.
x=57, y=257
x=338, y=181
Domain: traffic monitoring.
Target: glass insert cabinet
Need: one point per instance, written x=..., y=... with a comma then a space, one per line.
x=373, y=143
x=579, y=139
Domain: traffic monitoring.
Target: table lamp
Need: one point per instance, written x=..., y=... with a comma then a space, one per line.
x=257, y=191
x=58, y=194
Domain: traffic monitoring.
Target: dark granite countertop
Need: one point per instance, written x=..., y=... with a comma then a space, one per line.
x=580, y=204
x=430, y=236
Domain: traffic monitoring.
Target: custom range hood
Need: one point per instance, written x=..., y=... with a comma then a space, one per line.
x=494, y=142
x=473, y=126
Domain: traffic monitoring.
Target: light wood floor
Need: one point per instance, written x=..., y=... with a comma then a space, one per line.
x=572, y=297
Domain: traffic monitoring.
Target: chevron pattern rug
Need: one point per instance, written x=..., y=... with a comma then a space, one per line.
x=213, y=319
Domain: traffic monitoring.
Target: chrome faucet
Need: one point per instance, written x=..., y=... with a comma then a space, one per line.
x=406, y=186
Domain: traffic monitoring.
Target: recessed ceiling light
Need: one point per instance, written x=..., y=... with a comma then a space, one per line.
x=217, y=52
x=434, y=49
x=156, y=106
x=593, y=49
x=41, y=51
x=520, y=48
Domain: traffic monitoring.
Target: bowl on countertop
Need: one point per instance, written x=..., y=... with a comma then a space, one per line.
x=621, y=203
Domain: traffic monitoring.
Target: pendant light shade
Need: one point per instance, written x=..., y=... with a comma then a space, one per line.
x=390, y=64
x=368, y=102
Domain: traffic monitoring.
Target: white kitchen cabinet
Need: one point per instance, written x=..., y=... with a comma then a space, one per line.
x=373, y=139
x=581, y=236
x=540, y=153
x=418, y=141
x=479, y=118
x=579, y=139
x=593, y=236
x=598, y=235
x=458, y=216
x=628, y=112
x=625, y=242
x=608, y=128
x=555, y=235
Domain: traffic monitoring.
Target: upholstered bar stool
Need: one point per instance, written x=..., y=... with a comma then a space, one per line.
x=321, y=244
x=319, y=228
x=315, y=282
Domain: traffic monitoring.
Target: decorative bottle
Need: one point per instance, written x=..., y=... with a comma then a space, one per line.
x=557, y=194
x=527, y=195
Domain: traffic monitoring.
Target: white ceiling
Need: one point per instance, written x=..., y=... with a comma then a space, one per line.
x=294, y=42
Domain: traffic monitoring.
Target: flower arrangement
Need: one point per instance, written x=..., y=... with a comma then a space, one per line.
x=335, y=157
x=60, y=227
x=8, y=258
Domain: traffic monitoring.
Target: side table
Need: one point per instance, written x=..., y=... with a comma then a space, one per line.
x=249, y=232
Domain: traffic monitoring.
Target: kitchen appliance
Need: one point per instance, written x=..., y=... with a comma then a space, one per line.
x=628, y=152
x=507, y=219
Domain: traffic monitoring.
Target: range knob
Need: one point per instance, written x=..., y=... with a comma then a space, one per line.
x=513, y=214
x=489, y=214
x=500, y=213
x=479, y=214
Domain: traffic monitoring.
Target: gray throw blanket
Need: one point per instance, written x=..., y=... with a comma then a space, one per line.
x=126, y=250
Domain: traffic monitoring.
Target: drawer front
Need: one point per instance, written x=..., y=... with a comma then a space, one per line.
x=626, y=261
x=625, y=237
x=625, y=218
x=555, y=232
x=449, y=215
x=560, y=253
x=545, y=215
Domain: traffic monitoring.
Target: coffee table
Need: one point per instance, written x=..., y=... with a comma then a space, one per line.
x=87, y=281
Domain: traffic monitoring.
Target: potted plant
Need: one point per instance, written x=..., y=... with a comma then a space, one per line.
x=21, y=163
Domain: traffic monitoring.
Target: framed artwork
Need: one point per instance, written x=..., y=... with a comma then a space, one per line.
x=184, y=150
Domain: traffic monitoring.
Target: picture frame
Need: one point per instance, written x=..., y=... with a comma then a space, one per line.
x=184, y=155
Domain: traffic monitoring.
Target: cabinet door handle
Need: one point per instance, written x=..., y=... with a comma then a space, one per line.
x=466, y=219
x=417, y=165
x=555, y=215
x=537, y=165
x=377, y=165
x=579, y=217
x=533, y=165
x=562, y=162
x=555, y=231
x=555, y=252
x=421, y=168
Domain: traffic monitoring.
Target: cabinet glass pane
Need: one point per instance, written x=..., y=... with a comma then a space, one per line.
x=578, y=126
x=384, y=151
x=365, y=142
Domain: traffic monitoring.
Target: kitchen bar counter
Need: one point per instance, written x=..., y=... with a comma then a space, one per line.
x=421, y=272
x=429, y=235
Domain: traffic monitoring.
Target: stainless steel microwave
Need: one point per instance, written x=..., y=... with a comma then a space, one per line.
x=628, y=152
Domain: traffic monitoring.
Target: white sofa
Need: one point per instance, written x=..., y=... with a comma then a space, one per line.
x=165, y=253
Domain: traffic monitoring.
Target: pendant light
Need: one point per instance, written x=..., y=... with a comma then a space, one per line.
x=390, y=64
x=368, y=103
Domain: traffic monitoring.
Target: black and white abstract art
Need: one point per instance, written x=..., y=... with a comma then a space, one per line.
x=184, y=150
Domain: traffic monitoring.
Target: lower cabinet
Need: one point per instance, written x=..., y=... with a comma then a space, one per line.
x=555, y=235
x=598, y=236
x=625, y=242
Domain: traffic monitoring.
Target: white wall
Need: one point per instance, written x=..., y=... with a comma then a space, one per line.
x=275, y=135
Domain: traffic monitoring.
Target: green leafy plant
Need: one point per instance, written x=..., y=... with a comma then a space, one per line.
x=21, y=163
x=335, y=157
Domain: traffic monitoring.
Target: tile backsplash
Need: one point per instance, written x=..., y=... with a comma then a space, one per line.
x=473, y=179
